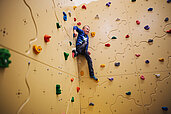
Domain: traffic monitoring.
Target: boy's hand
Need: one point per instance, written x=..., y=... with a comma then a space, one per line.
x=75, y=33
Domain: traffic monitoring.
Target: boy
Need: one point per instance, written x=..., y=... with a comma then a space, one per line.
x=82, y=46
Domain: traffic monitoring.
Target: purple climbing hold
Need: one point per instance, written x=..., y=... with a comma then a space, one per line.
x=168, y=1
x=111, y=79
x=150, y=9
x=146, y=27
x=108, y=4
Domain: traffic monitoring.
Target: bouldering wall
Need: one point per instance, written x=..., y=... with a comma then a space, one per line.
x=130, y=53
x=28, y=85
x=131, y=57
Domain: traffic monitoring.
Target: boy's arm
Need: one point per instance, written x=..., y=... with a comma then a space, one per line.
x=77, y=29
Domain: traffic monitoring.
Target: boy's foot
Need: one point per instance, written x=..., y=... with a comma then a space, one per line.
x=94, y=78
x=74, y=53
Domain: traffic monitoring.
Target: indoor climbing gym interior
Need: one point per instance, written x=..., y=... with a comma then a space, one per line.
x=85, y=57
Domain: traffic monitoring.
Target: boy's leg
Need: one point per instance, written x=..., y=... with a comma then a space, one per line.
x=90, y=66
x=81, y=48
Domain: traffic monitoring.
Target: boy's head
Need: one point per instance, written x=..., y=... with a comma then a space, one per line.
x=86, y=29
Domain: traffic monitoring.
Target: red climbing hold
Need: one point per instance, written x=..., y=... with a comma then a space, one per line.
x=46, y=38
x=75, y=19
x=142, y=77
x=89, y=53
x=79, y=23
x=127, y=36
x=137, y=55
x=72, y=79
x=78, y=89
x=169, y=31
x=83, y=7
x=107, y=45
x=138, y=22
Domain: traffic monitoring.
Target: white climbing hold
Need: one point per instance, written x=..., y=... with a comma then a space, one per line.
x=157, y=75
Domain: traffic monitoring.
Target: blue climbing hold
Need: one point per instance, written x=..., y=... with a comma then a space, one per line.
x=117, y=64
x=91, y=104
x=168, y=1
x=166, y=19
x=164, y=108
x=111, y=79
x=65, y=16
x=146, y=27
x=128, y=93
x=108, y=4
x=150, y=9
x=147, y=61
x=150, y=41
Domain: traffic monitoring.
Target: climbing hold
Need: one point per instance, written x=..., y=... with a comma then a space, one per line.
x=114, y=37
x=150, y=41
x=64, y=16
x=82, y=73
x=69, y=13
x=4, y=58
x=97, y=17
x=111, y=79
x=58, y=90
x=128, y=93
x=93, y=34
x=146, y=27
x=70, y=43
x=29, y=63
x=72, y=100
x=169, y=31
x=74, y=7
x=117, y=19
x=89, y=53
x=150, y=9
x=157, y=75
x=142, y=77
x=72, y=79
x=164, y=108
x=133, y=0
x=107, y=45
x=78, y=89
x=83, y=7
x=102, y=65
x=75, y=19
x=108, y=4
x=37, y=49
x=58, y=26
x=66, y=55
x=117, y=64
x=168, y=1
x=127, y=36
x=47, y=38
x=91, y=104
x=161, y=59
x=137, y=55
x=166, y=19
x=79, y=23
x=138, y=22
x=147, y=61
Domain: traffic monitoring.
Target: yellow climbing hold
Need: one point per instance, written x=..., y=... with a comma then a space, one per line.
x=161, y=59
x=102, y=65
x=74, y=7
x=37, y=49
x=93, y=34
x=82, y=73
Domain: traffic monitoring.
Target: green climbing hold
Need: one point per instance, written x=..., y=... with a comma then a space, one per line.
x=58, y=90
x=72, y=100
x=66, y=55
x=4, y=58
x=58, y=26
x=114, y=37
x=70, y=43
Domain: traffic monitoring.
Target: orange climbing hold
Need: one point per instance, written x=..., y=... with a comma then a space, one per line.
x=74, y=7
x=72, y=79
x=93, y=34
x=84, y=7
x=78, y=89
x=47, y=38
x=82, y=73
x=107, y=45
x=102, y=65
x=37, y=49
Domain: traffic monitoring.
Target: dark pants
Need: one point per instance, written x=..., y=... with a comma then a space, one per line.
x=81, y=49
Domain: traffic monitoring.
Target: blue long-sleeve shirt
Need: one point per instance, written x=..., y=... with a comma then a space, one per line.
x=81, y=37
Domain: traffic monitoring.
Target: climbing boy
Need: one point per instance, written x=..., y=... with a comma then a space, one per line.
x=82, y=46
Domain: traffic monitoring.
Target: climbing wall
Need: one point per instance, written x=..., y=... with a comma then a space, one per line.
x=132, y=63
x=28, y=85
x=130, y=53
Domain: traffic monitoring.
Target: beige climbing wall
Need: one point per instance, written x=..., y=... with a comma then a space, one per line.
x=31, y=88
x=147, y=96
